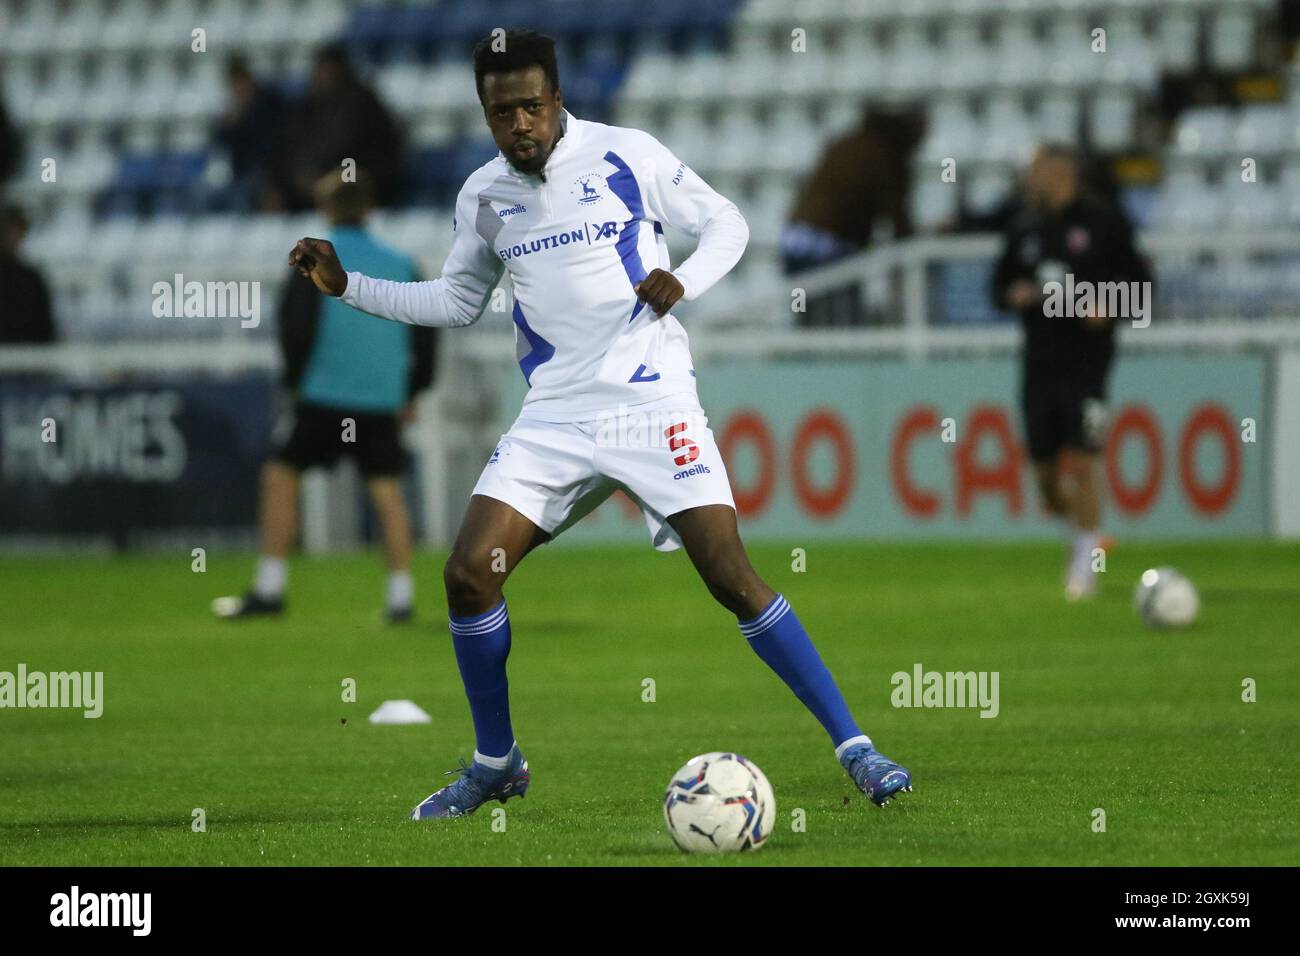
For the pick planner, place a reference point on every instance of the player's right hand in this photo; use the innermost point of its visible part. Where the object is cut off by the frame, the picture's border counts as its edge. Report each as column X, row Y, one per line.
column 316, row 259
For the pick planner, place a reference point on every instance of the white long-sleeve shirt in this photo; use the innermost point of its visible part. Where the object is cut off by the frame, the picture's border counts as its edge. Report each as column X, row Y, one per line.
column 576, row 239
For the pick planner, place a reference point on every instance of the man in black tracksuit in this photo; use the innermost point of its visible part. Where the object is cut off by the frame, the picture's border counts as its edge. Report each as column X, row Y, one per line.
column 1062, row 240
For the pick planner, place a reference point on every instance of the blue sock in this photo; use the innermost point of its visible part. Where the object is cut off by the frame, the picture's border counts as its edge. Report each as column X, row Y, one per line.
column 780, row 640
column 482, row 644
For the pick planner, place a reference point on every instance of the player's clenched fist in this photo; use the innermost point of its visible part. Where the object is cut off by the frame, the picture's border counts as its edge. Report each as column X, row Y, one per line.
column 660, row 289
column 316, row 259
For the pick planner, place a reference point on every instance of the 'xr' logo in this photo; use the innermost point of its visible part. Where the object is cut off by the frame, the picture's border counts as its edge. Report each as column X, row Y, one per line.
column 604, row 229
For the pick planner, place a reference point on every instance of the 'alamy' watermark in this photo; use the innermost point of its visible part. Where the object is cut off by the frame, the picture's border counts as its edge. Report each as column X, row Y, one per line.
column 629, row 426
column 208, row 300
column 923, row 688
column 1100, row 300
column 83, row 690
column 75, row 908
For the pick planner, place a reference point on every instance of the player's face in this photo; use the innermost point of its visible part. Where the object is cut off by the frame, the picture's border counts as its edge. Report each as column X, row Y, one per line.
column 523, row 113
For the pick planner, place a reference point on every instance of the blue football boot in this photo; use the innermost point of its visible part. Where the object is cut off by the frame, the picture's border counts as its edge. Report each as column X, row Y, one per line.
column 477, row 785
column 875, row 774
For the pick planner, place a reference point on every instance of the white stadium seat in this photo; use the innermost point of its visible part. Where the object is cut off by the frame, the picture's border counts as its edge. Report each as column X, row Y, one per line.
column 1204, row 131
column 1232, row 37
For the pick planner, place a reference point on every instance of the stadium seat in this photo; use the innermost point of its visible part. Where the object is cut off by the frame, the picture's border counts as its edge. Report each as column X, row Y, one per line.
column 1007, row 134
column 1057, row 118
column 78, row 28
column 1204, row 131
column 1112, row 119
column 1177, row 32
column 1186, row 202
column 1232, row 37
column 1264, row 129
column 952, row 133
column 933, row 202
column 988, row 188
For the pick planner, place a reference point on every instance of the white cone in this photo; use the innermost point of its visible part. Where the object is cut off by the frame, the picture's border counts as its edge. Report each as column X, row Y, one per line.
column 400, row 712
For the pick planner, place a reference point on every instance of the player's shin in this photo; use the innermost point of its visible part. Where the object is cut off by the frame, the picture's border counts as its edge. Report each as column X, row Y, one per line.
column 780, row 640
column 482, row 644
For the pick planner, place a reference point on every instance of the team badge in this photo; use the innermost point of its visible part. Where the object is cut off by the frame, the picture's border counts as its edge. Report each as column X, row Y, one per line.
column 589, row 189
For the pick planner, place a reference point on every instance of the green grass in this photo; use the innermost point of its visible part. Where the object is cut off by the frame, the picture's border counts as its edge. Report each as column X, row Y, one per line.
column 246, row 720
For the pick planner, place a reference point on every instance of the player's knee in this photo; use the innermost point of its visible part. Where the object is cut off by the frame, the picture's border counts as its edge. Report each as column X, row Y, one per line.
column 739, row 590
column 467, row 584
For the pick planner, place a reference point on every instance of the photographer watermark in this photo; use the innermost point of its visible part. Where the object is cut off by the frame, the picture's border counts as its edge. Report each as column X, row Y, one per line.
column 1083, row 299
column 922, row 688
column 83, row 690
column 631, row 427
column 208, row 300
column 75, row 908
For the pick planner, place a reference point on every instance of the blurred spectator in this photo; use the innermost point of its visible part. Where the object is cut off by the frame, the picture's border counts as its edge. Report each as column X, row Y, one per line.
column 339, row 118
column 10, row 144
column 26, row 316
column 249, row 131
column 858, row 191
column 342, row 366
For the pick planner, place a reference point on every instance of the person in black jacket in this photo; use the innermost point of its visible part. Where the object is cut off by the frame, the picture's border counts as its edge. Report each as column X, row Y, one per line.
column 339, row 118
column 248, row 134
column 1071, row 270
column 26, row 316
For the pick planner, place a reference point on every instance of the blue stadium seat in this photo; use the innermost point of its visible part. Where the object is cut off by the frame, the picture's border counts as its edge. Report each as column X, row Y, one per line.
column 371, row 24
column 138, row 171
column 469, row 155
column 589, row 90
column 427, row 179
column 181, row 170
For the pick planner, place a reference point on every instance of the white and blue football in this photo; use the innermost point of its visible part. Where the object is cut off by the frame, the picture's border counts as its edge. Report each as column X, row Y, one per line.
column 719, row 803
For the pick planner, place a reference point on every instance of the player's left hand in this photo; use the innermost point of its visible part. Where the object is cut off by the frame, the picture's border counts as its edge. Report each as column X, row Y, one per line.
column 660, row 289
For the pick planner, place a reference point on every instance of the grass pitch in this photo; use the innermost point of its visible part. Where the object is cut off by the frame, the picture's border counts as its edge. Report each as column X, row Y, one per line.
column 246, row 720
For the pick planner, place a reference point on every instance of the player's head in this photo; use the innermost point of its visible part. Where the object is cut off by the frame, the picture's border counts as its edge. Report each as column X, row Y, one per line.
column 1053, row 180
column 519, row 86
column 344, row 203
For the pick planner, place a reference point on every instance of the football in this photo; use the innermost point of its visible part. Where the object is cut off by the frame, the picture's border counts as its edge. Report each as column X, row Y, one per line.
column 719, row 803
column 1166, row 599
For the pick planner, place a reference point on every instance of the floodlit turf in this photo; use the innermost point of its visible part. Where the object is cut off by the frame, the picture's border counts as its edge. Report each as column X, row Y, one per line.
column 246, row 721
